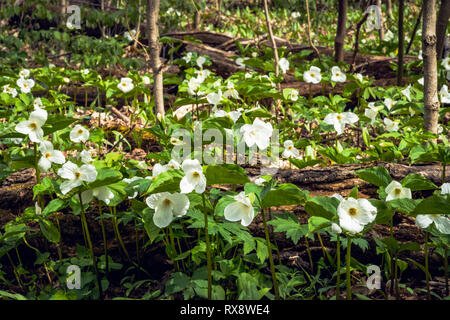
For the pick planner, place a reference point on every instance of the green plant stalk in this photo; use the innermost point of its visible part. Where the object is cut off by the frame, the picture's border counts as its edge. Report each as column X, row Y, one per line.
column 321, row 245
column 58, row 245
column 38, row 175
column 88, row 237
column 16, row 274
column 172, row 244
column 427, row 278
column 274, row 239
column 308, row 250
column 446, row 270
column 119, row 237
column 347, row 269
column 208, row 248
column 105, row 243
column 338, row 258
column 269, row 252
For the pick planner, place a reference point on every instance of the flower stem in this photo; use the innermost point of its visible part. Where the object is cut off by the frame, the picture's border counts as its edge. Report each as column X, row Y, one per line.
column 427, row 279
column 308, row 250
column 338, row 258
column 349, row 282
column 88, row 237
column 269, row 251
column 105, row 243
column 208, row 248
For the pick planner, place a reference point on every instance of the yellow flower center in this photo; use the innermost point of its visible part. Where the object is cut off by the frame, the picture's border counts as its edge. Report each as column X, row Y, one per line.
column 33, row 125
column 167, row 202
column 398, row 191
column 353, row 211
column 196, row 174
column 313, row 75
column 80, row 131
column 48, row 155
column 25, row 85
column 339, row 117
column 77, row 175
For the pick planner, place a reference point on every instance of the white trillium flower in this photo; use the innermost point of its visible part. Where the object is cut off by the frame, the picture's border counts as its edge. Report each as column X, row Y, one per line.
column 49, row 156
column 289, row 150
column 258, row 133
column 293, row 95
column 146, row 80
column 337, row 75
column 396, row 191
column 260, row 182
column 200, row 61
column 359, row 76
column 157, row 170
column 79, row 134
column 391, row 126
column 420, row 55
column 202, row 75
column 445, row 188
column 85, row 72
column 187, row 57
column 421, row 81
column 9, row 90
column 38, row 103
column 371, row 112
column 339, row 120
column 389, row 103
column 214, row 98
column 194, row 178
column 335, row 228
column 446, row 63
column 76, row 175
column 241, row 210
column 173, row 165
column 130, row 35
column 312, row 76
column 388, row 36
column 233, row 115
column 33, row 126
column 25, row 73
column 240, row 62
column 101, row 193
column 444, row 94
column 284, row 65
column 125, row 85
column 25, row 85
column 194, row 86
column 295, row 15
column 66, row 80
column 231, row 92
column 37, row 209
column 354, row 214
column 85, row 157
column 167, row 206
column 407, row 92
column 441, row 222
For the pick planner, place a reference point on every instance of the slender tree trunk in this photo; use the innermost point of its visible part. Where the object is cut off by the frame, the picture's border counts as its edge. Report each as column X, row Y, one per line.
column 401, row 41
column 155, row 48
column 381, row 31
column 389, row 8
column 416, row 26
column 272, row 40
column 441, row 27
column 340, row 33
column 430, row 98
column 196, row 20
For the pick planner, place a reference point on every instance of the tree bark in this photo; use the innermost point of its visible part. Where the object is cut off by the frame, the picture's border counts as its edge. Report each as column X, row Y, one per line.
column 441, row 27
column 155, row 48
column 401, row 41
column 430, row 98
column 340, row 33
column 381, row 31
column 389, row 8
column 274, row 44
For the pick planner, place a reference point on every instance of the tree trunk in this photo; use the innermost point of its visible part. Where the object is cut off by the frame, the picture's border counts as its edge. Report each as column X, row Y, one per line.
column 430, row 98
column 196, row 20
column 381, row 31
column 155, row 48
column 340, row 33
column 401, row 41
column 272, row 40
column 389, row 8
column 441, row 27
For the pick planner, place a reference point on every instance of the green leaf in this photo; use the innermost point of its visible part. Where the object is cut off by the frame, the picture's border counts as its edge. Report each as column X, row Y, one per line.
column 261, row 250
column 106, row 176
column 378, row 176
column 226, row 174
column 178, row 282
column 316, row 223
column 168, row 181
column 49, row 231
column 283, row 195
column 405, row 206
column 54, row 205
column 417, row 182
column 321, row 206
column 433, row 205
column 289, row 223
column 149, row 226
